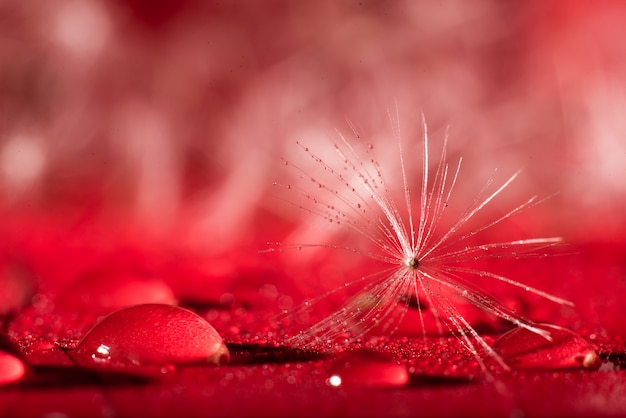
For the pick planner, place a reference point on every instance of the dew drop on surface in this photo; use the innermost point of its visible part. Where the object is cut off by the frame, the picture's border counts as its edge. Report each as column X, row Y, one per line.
column 415, row 323
column 366, row 369
column 11, row 369
column 150, row 335
column 524, row 349
column 111, row 291
column 47, row 353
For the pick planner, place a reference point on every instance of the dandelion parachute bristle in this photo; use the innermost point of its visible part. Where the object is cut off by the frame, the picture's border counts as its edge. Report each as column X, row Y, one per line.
column 421, row 259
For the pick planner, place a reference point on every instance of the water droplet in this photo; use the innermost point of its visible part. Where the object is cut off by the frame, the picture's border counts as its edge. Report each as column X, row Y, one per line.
column 524, row 349
column 110, row 291
column 411, row 323
column 11, row 369
column 46, row 353
column 150, row 337
column 366, row 369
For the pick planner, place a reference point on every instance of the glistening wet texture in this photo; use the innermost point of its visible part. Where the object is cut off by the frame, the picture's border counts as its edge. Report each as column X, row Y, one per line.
column 367, row 369
column 281, row 382
column 149, row 336
column 277, row 380
column 560, row 349
column 139, row 140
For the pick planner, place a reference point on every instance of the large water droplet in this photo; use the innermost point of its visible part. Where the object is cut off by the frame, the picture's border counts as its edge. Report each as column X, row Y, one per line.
column 150, row 336
column 11, row 369
column 112, row 290
column 420, row 319
column 366, row 369
column 524, row 349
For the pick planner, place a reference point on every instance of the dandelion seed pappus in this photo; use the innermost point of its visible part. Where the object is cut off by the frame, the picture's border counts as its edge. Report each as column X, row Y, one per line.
column 427, row 253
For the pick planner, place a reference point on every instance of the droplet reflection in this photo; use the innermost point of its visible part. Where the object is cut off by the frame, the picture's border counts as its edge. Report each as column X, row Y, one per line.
column 524, row 349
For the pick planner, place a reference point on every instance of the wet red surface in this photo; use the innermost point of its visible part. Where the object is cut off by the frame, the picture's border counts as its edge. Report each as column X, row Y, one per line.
column 268, row 377
column 139, row 141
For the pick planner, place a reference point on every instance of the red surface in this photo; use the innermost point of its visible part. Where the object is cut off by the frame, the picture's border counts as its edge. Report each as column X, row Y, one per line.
column 276, row 380
column 139, row 141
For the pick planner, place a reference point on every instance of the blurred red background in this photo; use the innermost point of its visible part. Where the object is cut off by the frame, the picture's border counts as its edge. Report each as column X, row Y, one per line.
column 161, row 126
column 145, row 136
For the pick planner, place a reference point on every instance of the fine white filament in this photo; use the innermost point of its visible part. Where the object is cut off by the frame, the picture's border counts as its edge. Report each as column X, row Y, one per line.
column 423, row 262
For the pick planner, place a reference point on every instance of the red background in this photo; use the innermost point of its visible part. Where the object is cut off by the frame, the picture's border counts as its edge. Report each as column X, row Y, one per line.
column 143, row 138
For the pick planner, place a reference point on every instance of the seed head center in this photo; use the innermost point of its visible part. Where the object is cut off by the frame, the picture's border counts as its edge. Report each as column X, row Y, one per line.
column 412, row 263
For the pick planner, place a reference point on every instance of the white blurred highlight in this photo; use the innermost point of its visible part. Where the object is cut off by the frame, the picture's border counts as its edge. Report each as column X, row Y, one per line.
column 23, row 160
column 603, row 145
column 82, row 27
column 145, row 140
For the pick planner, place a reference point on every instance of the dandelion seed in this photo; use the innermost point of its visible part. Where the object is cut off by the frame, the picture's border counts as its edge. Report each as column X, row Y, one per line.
column 426, row 256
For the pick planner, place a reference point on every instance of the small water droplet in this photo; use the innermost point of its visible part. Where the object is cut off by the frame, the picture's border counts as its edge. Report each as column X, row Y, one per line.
column 366, row 369
column 418, row 319
column 47, row 353
column 524, row 349
column 152, row 337
column 11, row 369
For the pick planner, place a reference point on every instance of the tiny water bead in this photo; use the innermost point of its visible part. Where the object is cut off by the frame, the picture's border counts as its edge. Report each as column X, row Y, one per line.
column 150, row 335
column 524, row 349
column 366, row 369
column 11, row 369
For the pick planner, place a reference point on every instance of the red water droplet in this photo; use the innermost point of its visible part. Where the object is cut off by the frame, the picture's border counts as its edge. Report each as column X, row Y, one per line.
column 150, row 336
column 46, row 353
column 111, row 291
column 366, row 369
column 524, row 349
column 414, row 325
column 11, row 369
